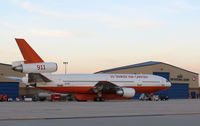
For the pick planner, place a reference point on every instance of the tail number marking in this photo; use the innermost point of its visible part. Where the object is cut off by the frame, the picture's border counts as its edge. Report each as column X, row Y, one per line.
column 41, row 67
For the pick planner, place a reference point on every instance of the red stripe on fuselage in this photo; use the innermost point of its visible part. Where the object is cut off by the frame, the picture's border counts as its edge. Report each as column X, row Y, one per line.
column 86, row 89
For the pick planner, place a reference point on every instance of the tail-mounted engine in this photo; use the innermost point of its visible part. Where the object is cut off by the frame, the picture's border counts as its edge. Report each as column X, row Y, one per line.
column 46, row 67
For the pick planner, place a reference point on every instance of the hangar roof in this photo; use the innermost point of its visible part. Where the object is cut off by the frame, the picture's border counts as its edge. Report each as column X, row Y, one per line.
column 140, row 65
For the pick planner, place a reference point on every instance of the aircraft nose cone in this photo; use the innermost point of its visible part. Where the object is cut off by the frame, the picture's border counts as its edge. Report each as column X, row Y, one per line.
column 168, row 84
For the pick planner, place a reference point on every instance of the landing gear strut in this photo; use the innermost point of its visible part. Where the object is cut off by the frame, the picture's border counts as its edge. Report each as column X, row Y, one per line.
column 99, row 98
column 146, row 96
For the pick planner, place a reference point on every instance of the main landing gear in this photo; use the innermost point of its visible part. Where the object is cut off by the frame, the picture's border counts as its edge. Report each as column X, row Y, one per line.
column 99, row 98
column 98, row 90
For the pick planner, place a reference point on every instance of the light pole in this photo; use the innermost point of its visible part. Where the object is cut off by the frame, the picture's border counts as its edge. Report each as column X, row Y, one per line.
column 65, row 63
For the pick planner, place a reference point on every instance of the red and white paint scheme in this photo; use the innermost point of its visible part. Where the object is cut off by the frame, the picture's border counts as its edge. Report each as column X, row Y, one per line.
column 96, row 87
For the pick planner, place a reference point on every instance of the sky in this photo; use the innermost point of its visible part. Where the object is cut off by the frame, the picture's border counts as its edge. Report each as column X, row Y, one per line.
column 94, row 35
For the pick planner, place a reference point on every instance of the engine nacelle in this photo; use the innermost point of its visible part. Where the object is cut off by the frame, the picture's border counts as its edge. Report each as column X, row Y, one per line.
column 126, row 92
column 47, row 67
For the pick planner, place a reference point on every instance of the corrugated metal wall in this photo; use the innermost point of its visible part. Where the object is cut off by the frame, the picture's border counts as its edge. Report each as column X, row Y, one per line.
column 11, row 89
column 176, row 91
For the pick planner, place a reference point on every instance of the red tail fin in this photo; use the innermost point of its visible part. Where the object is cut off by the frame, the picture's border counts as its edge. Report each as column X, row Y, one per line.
column 30, row 56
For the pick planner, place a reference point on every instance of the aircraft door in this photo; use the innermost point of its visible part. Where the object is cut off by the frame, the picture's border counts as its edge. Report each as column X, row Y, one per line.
column 139, row 82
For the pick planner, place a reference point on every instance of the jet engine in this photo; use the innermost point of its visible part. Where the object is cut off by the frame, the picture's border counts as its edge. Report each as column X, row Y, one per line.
column 46, row 67
column 126, row 92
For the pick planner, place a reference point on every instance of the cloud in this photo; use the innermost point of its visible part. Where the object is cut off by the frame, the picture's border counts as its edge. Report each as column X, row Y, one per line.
column 61, row 33
column 7, row 25
column 139, row 24
column 50, row 33
column 177, row 7
column 109, row 20
column 184, row 5
column 47, row 33
column 26, row 5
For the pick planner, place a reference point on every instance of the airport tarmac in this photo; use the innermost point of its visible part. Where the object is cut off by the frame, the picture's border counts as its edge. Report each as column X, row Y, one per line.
column 133, row 112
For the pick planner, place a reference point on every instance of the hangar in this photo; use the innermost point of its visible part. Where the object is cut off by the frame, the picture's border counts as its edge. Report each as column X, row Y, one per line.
column 8, row 87
column 185, row 84
column 11, row 88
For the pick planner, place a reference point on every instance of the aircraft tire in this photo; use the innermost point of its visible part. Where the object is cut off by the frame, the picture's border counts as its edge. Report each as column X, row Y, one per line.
column 81, row 100
column 102, row 99
column 99, row 99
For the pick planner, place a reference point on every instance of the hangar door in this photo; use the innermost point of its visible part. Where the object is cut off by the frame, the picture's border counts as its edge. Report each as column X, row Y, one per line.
column 176, row 91
column 11, row 89
column 162, row 74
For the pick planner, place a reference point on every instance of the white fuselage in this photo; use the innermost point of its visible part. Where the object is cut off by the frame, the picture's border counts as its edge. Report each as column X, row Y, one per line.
column 90, row 80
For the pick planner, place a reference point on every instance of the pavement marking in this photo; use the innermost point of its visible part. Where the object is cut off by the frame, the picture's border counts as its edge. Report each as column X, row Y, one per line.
column 101, row 117
column 8, row 119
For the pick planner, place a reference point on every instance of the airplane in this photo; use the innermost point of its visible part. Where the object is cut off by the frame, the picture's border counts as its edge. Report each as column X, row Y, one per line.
column 84, row 87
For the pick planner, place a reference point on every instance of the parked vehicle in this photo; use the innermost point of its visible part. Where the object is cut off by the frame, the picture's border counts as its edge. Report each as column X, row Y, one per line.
column 3, row 97
column 155, row 98
column 163, row 97
column 17, row 99
column 10, row 99
column 28, row 99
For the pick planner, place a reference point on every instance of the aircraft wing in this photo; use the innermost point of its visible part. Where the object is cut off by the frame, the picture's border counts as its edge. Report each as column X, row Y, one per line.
column 105, row 87
column 37, row 77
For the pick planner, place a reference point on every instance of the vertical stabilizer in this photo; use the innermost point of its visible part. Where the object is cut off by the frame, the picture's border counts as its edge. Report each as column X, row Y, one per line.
column 30, row 56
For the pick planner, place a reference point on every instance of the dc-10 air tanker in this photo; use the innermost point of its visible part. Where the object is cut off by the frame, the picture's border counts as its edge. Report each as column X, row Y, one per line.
column 83, row 87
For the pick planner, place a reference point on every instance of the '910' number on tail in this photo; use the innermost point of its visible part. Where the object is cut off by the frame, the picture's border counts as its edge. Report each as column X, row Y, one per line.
column 41, row 67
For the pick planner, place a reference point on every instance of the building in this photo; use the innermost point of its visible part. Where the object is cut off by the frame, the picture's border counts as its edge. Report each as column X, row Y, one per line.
column 8, row 87
column 12, row 88
column 185, row 84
